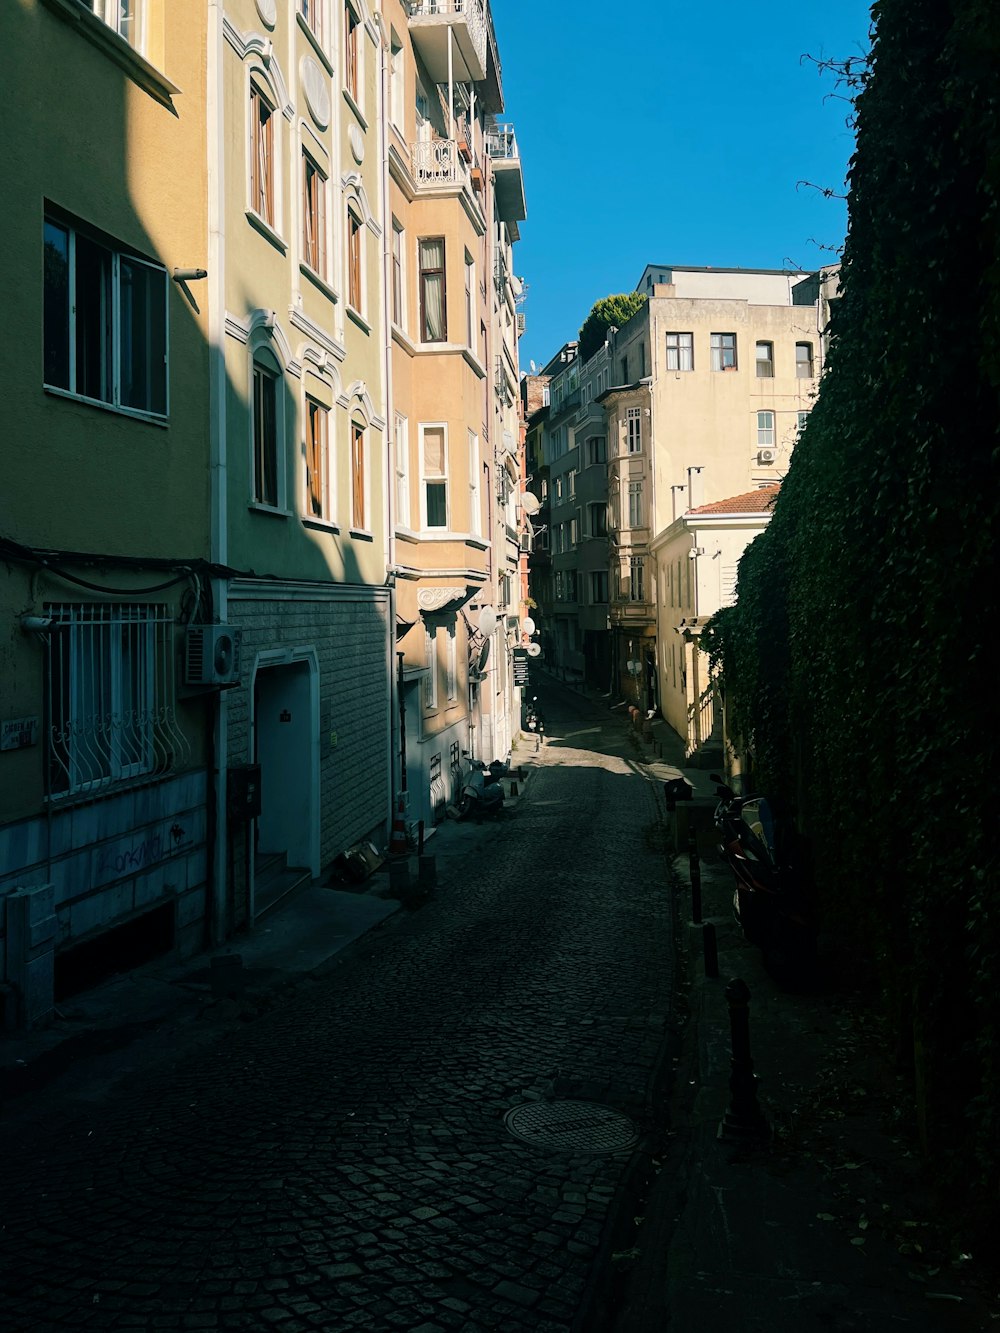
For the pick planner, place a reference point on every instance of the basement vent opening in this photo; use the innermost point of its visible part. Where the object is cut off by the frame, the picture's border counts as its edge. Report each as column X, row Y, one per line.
column 120, row 949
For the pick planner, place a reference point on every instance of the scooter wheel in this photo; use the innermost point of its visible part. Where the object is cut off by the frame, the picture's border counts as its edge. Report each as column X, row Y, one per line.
column 464, row 806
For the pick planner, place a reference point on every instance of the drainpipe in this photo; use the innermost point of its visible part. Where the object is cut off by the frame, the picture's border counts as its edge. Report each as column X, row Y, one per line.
column 219, row 519
column 389, row 506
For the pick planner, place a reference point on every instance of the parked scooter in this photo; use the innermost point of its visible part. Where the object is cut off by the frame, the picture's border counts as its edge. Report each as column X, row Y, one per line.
column 769, row 901
column 482, row 791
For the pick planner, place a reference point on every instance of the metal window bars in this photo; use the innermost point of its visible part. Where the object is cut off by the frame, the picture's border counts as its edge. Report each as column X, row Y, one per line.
column 110, row 697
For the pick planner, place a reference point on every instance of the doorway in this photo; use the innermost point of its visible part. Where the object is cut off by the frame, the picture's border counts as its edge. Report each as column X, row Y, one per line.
column 286, row 832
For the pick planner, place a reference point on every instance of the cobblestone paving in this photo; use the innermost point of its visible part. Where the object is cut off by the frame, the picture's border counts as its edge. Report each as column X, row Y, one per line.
column 342, row 1162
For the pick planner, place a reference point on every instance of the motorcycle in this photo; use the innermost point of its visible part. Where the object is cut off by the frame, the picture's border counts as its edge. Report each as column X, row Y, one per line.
column 482, row 791
column 769, row 901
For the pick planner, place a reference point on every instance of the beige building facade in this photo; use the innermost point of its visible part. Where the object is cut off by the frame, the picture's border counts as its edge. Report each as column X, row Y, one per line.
column 104, row 506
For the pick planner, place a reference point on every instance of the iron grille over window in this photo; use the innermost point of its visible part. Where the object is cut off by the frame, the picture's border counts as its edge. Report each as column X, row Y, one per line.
column 110, row 697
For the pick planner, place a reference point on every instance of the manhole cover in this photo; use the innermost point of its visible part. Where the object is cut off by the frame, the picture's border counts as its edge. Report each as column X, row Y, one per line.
column 572, row 1126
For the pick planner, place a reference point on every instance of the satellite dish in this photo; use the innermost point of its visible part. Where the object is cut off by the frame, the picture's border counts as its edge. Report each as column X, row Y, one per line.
column 534, row 650
column 484, row 657
column 528, row 625
column 533, row 367
column 530, row 503
column 487, row 621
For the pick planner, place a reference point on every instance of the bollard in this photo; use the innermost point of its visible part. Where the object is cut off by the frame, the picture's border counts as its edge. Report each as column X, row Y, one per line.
column 695, row 872
column 399, row 879
column 427, row 873
column 710, row 949
column 744, row 1119
column 420, row 838
column 513, row 789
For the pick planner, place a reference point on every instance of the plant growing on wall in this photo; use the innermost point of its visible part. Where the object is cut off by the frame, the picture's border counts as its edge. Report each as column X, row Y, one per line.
column 610, row 312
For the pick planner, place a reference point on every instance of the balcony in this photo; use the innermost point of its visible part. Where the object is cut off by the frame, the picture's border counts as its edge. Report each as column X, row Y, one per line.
column 461, row 24
column 437, row 164
column 501, row 144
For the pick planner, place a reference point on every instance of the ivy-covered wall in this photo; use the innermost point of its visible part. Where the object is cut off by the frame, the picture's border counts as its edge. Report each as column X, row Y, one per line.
column 859, row 661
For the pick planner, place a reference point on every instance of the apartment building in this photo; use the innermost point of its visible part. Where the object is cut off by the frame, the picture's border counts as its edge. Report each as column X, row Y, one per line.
column 105, row 502
column 455, row 196
column 712, row 381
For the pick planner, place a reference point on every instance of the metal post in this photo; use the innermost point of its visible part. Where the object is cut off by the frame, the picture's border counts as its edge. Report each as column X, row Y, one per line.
column 744, row 1119
column 710, row 949
column 420, row 838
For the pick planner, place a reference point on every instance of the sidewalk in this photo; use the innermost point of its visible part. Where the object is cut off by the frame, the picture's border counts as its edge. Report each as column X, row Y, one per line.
column 829, row 1223
column 159, row 1010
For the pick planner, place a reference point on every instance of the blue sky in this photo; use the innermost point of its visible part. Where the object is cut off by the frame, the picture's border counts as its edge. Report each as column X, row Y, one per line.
column 670, row 133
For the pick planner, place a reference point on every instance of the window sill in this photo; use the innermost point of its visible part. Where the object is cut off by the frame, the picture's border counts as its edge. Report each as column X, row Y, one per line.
column 321, row 524
column 117, row 49
column 266, row 230
column 318, row 281
column 148, row 417
column 315, row 42
column 361, row 534
column 358, row 318
column 349, row 99
column 399, row 336
column 474, row 362
column 272, row 511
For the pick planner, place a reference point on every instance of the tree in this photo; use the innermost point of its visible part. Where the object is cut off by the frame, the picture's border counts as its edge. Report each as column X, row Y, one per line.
column 607, row 313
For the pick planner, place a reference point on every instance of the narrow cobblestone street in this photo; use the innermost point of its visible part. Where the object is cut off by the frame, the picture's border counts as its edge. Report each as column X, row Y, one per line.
column 342, row 1161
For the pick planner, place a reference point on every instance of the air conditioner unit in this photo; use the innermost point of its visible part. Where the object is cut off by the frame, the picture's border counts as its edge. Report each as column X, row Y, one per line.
column 212, row 655
column 765, row 456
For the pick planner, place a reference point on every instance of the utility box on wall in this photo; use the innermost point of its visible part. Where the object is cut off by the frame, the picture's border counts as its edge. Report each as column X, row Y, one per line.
column 243, row 792
column 31, row 942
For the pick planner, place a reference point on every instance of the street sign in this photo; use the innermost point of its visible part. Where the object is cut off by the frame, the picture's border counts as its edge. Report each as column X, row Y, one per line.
column 520, row 656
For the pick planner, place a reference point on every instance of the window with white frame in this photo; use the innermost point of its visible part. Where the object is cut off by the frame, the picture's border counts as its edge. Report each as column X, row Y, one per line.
column 105, row 320
column 598, row 515
column 723, row 351
column 109, row 696
column 355, row 261
column 598, row 587
column 571, row 481
column 800, row 421
column 313, row 215
column 475, row 503
column 266, row 486
column 352, row 54
column 262, row 155
column 635, row 504
column 359, row 476
column 125, row 17
column 633, row 429
column 470, row 301
column 398, row 275
column 314, row 17
column 434, row 475
column 765, row 430
column 680, row 351
column 318, row 501
column 804, row 360
column 597, row 450
column 452, row 663
column 765, row 360
column 431, row 658
column 558, row 485
column 433, row 308
column 636, row 578
column 402, row 449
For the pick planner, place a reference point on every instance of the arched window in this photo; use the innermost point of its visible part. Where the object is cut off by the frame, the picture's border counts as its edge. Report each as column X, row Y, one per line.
column 267, row 443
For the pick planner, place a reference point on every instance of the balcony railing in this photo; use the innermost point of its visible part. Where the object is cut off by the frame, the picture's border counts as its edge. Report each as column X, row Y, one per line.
column 429, row 24
column 437, row 162
column 501, row 144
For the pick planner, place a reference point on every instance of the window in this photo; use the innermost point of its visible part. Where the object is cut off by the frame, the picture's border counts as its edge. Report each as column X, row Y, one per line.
column 680, row 351
column 633, row 426
column 398, row 308
column 452, row 664
column 431, row 679
column 635, row 504
column 351, row 80
column 475, row 507
column 470, row 308
column 800, row 421
column 402, row 442
column 312, row 12
column 109, row 696
column 313, row 216
column 435, row 476
column 317, row 461
column 804, row 361
column 265, row 435
column 433, row 314
column 261, row 156
column 597, row 450
column 598, row 518
column 636, row 569
column 397, row 76
column 723, row 351
column 765, row 430
column 598, row 586
column 359, row 513
column 354, row 284
column 105, row 321
column 124, row 16
column 765, row 361
column 558, row 483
